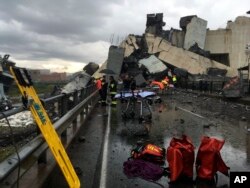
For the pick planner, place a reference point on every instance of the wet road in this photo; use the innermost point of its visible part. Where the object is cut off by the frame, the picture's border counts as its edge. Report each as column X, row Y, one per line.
column 109, row 141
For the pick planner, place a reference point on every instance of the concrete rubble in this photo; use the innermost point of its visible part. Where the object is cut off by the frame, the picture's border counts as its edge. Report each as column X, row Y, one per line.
column 177, row 57
column 151, row 55
column 139, row 55
column 78, row 82
column 6, row 80
column 81, row 79
column 153, row 64
column 115, row 59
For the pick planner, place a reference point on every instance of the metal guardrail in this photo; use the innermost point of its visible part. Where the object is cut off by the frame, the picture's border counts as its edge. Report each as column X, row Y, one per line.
column 73, row 109
column 206, row 86
column 210, row 86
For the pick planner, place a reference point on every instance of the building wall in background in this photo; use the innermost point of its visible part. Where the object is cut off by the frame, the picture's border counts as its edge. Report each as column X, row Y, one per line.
column 44, row 75
column 232, row 40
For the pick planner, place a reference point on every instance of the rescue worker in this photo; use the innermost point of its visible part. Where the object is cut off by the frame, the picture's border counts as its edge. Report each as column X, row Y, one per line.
column 165, row 81
column 159, row 84
column 126, row 83
column 132, row 85
column 119, row 84
column 103, row 91
column 112, row 90
column 98, row 84
column 174, row 80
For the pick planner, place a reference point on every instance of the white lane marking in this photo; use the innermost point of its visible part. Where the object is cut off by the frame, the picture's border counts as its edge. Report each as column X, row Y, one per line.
column 105, row 153
column 191, row 112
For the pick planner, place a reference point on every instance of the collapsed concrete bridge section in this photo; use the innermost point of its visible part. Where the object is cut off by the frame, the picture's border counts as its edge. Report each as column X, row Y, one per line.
column 217, row 54
column 177, row 57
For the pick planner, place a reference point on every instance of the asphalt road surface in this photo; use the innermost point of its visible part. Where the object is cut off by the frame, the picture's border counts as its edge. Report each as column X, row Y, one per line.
column 106, row 139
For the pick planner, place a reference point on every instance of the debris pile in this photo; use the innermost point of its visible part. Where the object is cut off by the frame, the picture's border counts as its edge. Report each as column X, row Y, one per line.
column 81, row 79
column 156, row 52
column 6, row 80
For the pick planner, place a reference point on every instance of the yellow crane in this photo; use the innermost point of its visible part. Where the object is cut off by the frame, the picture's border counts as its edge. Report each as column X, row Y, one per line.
column 32, row 101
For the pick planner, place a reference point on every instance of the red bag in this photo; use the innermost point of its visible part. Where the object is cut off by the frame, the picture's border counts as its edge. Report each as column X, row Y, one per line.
column 180, row 156
column 209, row 160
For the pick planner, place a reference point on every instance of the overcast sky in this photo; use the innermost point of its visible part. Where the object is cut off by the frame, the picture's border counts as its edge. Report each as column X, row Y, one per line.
column 64, row 35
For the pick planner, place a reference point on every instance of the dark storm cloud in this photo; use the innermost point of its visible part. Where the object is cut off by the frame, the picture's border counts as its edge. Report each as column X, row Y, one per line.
column 44, row 29
column 75, row 30
column 58, row 17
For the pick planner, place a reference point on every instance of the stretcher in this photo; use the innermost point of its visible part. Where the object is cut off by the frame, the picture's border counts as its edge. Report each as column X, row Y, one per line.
column 136, row 93
column 150, row 96
column 137, row 104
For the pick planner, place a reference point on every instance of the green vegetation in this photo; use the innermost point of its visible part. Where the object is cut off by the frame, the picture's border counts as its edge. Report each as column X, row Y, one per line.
column 41, row 88
column 5, row 152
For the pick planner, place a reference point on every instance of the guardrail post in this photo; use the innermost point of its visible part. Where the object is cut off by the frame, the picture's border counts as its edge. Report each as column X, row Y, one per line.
column 222, row 85
column 63, row 105
column 75, row 98
column 42, row 159
column 82, row 94
column 74, row 124
column 85, row 93
column 211, row 87
column 87, row 108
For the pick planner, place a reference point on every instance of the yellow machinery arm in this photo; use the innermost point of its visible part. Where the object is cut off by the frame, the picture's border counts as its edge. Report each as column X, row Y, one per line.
column 42, row 119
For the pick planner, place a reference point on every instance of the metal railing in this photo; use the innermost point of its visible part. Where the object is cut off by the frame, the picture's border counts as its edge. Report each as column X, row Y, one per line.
column 36, row 161
column 204, row 86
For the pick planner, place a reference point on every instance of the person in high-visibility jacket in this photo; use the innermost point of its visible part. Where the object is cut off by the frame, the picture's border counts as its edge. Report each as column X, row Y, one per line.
column 112, row 90
column 98, row 84
column 159, row 84
column 165, row 81
column 174, row 80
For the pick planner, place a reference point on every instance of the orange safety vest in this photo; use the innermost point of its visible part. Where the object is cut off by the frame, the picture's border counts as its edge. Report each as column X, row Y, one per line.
column 149, row 152
column 165, row 80
column 99, row 84
column 157, row 83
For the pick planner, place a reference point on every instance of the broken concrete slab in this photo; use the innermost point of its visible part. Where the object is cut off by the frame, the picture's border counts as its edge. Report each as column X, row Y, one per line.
column 179, row 57
column 115, row 59
column 97, row 74
column 184, row 21
column 91, row 68
column 156, row 44
column 150, row 42
column 130, row 45
column 154, row 23
column 195, row 33
column 164, row 45
column 133, row 40
column 193, row 63
column 153, row 64
column 80, row 81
